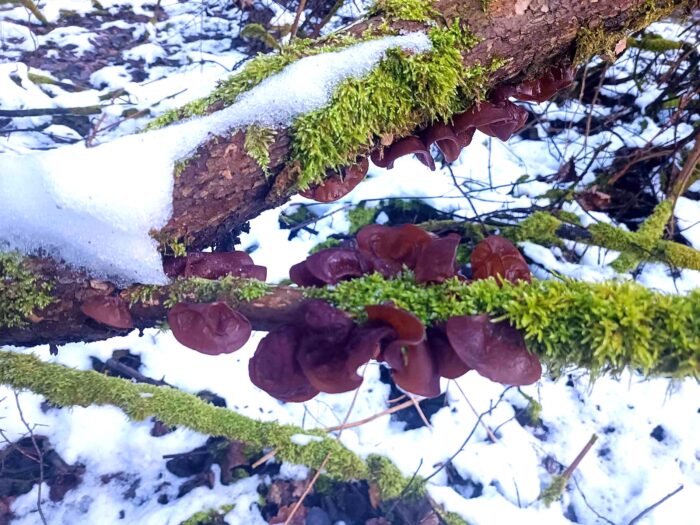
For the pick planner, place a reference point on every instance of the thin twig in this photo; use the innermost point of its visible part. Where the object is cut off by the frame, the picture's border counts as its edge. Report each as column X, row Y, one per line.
column 295, row 24
column 361, row 422
column 420, row 412
column 488, row 430
column 40, row 458
column 264, row 459
column 307, row 490
column 652, row 507
column 469, row 436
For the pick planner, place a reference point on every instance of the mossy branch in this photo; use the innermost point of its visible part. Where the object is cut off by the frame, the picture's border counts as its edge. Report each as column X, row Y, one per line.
column 643, row 245
column 599, row 327
column 68, row 387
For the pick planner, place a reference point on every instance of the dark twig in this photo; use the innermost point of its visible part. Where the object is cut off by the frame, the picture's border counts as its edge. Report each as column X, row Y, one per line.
column 652, row 507
column 40, row 458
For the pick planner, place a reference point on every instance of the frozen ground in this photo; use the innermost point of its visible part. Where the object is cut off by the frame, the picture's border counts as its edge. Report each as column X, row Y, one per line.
column 648, row 430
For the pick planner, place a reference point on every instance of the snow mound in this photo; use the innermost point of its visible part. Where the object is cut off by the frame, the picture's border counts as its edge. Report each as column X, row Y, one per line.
column 94, row 207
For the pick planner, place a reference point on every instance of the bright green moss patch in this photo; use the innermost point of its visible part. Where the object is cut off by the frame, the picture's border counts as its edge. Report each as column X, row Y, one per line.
column 66, row 387
column 230, row 289
column 598, row 41
column 539, row 227
column 257, row 144
column 554, row 491
column 646, row 237
column 599, row 327
column 389, row 479
column 412, row 10
column 403, row 91
column 209, row 517
column 655, row 43
column 21, row 293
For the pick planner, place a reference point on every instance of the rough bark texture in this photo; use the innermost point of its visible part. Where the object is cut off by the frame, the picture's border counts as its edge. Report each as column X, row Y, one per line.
column 223, row 187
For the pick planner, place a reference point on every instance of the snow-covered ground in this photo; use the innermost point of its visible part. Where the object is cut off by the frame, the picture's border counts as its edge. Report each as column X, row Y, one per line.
column 648, row 430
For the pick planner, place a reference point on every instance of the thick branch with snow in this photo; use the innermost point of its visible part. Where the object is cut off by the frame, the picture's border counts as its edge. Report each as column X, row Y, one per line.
column 111, row 209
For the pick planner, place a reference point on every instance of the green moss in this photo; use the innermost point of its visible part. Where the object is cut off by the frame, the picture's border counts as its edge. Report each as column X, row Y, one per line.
column 230, row 289
column 534, row 409
column 403, row 91
column 452, row 518
column 328, row 243
column 389, row 480
column 645, row 245
column 599, row 41
column 254, row 72
column 209, row 517
column 485, row 4
column 646, row 237
column 413, row 10
column 655, row 43
column 540, row 228
column 66, row 387
column 257, row 144
column 554, row 491
column 258, row 32
column 21, row 292
column 599, row 327
column 360, row 216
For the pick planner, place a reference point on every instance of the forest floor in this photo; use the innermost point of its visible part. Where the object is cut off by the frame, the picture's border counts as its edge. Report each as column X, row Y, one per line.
column 129, row 62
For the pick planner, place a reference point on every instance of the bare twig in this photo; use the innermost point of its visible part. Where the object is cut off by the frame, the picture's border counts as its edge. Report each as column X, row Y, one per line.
column 488, row 430
column 361, row 422
column 40, row 458
column 420, row 412
column 295, row 24
column 652, row 507
column 308, row 488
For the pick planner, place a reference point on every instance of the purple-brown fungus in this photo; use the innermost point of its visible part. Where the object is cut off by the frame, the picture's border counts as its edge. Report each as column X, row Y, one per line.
column 214, row 266
column 209, row 328
column 495, row 350
column 109, row 310
column 338, row 185
column 498, row 257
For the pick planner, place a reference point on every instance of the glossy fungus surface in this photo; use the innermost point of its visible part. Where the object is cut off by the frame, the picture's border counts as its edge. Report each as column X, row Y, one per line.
column 210, row 328
column 338, row 185
column 389, row 248
column 437, row 260
column 111, row 311
column 498, row 257
column 410, row 145
column 499, row 119
column 274, row 367
column 495, row 350
column 214, row 266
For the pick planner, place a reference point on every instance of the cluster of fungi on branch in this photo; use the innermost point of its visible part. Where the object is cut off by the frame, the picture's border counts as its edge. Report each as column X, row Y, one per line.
column 497, row 117
column 323, row 350
column 324, row 347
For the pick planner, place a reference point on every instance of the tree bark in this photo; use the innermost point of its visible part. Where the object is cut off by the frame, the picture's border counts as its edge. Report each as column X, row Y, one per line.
column 223, row 187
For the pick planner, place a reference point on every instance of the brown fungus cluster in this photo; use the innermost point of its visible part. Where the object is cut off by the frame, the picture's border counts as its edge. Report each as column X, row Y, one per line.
column 386, row 250
column 323, row 348
column 211, row 328
column 498, row 117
